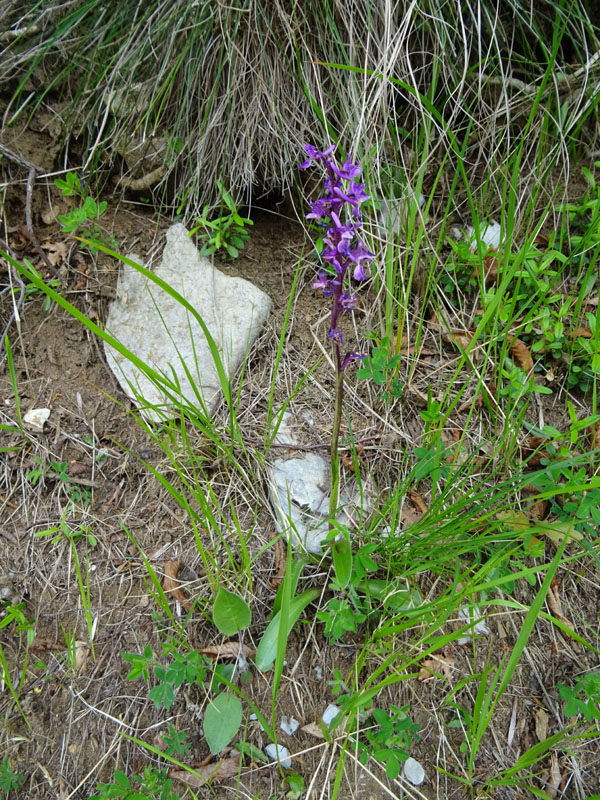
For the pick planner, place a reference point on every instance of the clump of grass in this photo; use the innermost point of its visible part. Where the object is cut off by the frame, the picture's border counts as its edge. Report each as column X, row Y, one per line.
column 230, row 93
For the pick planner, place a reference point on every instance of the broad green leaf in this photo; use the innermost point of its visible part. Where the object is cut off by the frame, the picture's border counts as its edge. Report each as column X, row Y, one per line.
column 231, row 614
column 342, row 561
column 222, row 721
column 267, row 649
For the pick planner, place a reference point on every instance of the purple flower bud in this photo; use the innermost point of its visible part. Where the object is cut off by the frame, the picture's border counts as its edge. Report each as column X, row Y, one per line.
column 352, row 357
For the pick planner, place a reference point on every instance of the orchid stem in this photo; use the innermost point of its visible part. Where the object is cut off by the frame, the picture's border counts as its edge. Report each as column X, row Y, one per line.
column 335, row 437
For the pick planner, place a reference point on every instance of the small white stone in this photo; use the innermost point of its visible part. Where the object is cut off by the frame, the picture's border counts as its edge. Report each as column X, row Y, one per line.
column 488, row 234
column 413, row 772
column 318, row 671
column 36, row 417
column 473, row 614
column 330, row 713
column 289, row 725
column 279, row 752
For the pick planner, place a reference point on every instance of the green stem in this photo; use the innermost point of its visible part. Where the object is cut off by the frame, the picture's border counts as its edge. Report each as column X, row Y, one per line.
column 335, row 436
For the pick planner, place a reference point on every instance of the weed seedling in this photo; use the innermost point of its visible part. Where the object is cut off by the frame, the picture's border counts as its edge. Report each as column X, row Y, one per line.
column 9, row 779
column 83, row 220
column 227, row 233
column 583, row 698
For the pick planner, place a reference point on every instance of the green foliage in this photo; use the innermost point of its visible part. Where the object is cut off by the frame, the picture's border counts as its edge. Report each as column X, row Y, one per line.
column 341, row 616
column 11, row 614
column 227, row 233
column 267, row 648
column 9, row 779
column 83, row 220
column 390, row 740
column 154, row 784
column 583, row 698
column 296, row 784
column 191, row 667
column 32, row 291
column 231, row 613
column 63, row 530
column 222, row 720
column 381, row 368
column 78, row 495
column 175, row 742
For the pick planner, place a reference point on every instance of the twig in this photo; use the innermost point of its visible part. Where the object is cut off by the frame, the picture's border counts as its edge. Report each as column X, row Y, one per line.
column 33, row 171
column 30, row 181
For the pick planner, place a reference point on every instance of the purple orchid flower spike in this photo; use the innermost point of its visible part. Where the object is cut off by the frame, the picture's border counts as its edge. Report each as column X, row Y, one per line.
column 338, row 213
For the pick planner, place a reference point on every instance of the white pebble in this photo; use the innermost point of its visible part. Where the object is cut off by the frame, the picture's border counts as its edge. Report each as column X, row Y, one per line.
column 289, row 725
column 279, row 752
column 413, row 772
column 330, row 713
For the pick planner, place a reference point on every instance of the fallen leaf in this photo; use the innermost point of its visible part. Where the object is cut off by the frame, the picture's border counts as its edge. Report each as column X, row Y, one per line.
column 556, row 531
column 225, row 650
column 490, row 270
column 520, row 353
column 530, row 451
column 171, row 584
column 313, row 729
column 555, row 776
column 55, row 251
column 541, row 724
column 211, row 773
column 435, row 666
column 418, row 501
column 538, row 510
column 555, row 606
column 585, row 333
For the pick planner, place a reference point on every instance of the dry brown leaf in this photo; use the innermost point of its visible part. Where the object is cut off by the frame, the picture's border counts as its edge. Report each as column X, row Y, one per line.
column 461, row 341
column 225, row 650
column 555, row 776
column 538, row 510
column 171, row 584
column 585, row 333
column 530, row 452
column 435, row 666
column 489, row 389
column 520, row 353
column 211, row 773
column 555, row 606
column 55, row 251
column 490, row 270
column 313, row 729
column 541, row 724
column 418, row 501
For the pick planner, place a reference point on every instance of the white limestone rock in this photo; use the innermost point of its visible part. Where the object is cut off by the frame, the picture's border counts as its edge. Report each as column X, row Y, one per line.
column 163, row 334
column 413, row 771
column 299, row 491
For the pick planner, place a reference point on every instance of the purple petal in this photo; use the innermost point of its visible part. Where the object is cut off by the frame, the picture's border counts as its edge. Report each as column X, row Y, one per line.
column 352, row 357
column 359, row 273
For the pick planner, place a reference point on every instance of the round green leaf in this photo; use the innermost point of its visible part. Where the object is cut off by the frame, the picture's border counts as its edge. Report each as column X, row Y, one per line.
column 230, row 613
column 222, row 721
